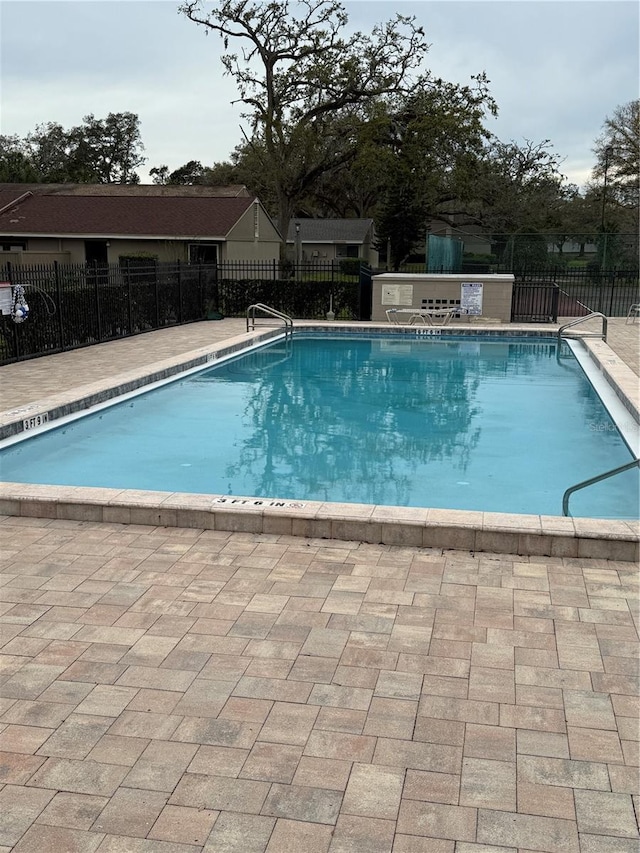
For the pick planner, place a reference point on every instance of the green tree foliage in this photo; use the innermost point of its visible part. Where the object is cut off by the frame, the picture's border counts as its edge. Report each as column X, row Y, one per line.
column 223, row 174
column 519, row 190
column 193, row 172
column 615, row 185
column 528, row 251
column 102, row 151
column 413, row 155
column 246, row 167
column 304, row 81
column 401, row 221
column 15, row 165
column 439, row 133
column 110, row 147
column 581, row 218
column 51, row 151
column 435, row 138
column 159, row 174
column 617, row 150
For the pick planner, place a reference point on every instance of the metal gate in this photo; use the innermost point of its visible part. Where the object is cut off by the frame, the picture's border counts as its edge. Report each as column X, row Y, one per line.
column 534, row 302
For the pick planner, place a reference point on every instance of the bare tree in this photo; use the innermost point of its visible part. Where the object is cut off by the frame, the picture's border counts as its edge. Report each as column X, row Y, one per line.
column 305, row 81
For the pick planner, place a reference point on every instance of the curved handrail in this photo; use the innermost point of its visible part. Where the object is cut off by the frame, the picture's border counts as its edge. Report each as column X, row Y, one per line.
column 273, row 312
column 596, row 479
column 578, row 320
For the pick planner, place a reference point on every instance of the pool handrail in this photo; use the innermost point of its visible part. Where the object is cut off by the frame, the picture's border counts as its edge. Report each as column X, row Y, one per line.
column 602, row 334
column 273, row 312
column 598, row 478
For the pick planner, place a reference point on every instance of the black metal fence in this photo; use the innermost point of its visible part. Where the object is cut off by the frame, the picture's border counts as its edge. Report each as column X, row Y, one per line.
column 304, row 291
column 78, row 305
column 538, row 297
column 534, row 302
column 72, row 306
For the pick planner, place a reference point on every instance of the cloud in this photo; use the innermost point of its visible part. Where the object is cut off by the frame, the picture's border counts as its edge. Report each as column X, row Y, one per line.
column 557, row 69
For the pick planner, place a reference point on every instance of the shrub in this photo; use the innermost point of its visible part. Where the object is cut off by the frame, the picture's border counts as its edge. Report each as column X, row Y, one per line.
column 558, row 262
column 351, row 266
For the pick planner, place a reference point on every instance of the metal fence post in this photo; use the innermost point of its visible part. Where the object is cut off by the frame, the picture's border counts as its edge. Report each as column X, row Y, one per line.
column 156, row 283
column 599, row 292
column 96, row 292
column 16, row 339
column 129, row 303
column 179, row 292
column 613, row 287
column 56, row 274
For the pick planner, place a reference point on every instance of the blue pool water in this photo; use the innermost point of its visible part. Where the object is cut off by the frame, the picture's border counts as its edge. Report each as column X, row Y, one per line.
column 484, row 424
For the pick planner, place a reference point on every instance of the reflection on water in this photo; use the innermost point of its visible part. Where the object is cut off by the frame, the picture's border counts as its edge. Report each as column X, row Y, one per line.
column 386, row 421
column 464, row 424
column 353, row 413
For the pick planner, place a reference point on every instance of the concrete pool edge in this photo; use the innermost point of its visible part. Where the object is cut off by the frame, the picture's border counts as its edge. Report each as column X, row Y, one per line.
column 550, row 536
column 528, row 535
column 620, row 377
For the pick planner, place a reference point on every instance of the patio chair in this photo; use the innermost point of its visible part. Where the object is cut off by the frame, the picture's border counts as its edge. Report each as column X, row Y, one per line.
column 633, row 312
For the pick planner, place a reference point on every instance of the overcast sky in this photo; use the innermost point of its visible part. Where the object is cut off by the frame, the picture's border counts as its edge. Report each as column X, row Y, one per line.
column 557, row 68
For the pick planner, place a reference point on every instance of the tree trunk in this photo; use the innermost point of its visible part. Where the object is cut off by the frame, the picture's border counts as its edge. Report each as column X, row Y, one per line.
column 285, row 210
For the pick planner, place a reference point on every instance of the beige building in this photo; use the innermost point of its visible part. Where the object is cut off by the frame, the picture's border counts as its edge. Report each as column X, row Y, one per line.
column 323, row 241
column 87, row 223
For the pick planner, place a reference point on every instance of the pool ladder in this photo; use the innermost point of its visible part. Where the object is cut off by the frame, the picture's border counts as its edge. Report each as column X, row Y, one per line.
column 597, row 479
column 271, row 312
column 602, row 334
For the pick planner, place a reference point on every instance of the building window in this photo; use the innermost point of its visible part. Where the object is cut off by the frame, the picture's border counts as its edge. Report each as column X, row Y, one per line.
column 347, row 250
column 11, row 244
column 203, row 253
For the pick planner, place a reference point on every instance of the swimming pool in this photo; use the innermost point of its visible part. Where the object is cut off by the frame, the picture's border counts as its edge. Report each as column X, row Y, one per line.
column 458, row 422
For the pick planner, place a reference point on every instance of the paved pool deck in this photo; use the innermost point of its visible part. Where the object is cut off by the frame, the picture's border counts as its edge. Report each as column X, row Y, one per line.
column 167, row 688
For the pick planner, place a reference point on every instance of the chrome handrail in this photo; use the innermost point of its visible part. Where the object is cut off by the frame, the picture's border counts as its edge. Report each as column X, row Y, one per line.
column 602, row 334
column 598, row 478
column 273, row 312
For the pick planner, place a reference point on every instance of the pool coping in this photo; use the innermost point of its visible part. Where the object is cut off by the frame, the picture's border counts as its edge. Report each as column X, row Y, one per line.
column 533, row 535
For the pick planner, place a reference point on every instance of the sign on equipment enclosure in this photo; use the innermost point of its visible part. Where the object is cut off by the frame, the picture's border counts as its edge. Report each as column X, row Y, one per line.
column 397, row 294
column 471, row 298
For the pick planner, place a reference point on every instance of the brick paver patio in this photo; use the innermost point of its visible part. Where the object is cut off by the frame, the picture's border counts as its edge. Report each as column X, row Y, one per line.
column 168, row 690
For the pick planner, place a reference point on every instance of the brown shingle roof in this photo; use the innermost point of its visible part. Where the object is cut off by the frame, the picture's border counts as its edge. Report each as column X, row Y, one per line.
column 200, row 190
column 112, row 216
